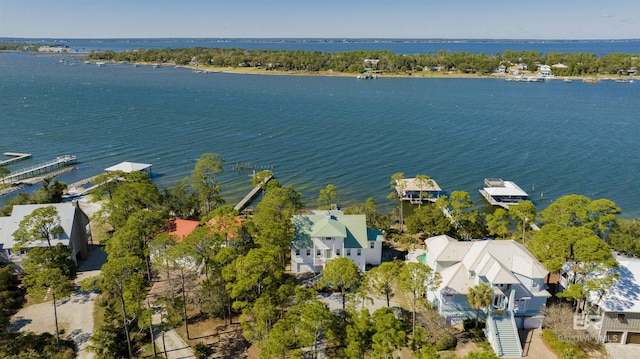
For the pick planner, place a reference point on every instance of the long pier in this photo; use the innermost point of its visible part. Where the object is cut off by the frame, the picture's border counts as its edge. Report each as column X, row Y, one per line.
column 251, row 195
column 39, row 169
column 16, row 157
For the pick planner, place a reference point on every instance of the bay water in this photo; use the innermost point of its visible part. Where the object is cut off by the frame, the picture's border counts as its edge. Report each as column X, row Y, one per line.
column 551, row 138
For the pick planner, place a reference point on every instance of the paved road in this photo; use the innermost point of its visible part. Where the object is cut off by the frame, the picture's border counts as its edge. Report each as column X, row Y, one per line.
column 176, row 347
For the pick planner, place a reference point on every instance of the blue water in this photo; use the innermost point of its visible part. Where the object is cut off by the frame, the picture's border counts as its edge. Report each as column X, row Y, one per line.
column 400, row 46
column 561, row 138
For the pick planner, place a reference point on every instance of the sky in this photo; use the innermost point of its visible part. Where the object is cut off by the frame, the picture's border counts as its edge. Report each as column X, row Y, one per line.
column 417, row 19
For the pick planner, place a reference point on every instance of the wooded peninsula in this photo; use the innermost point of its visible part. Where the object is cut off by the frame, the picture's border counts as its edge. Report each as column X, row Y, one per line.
column 384, row 62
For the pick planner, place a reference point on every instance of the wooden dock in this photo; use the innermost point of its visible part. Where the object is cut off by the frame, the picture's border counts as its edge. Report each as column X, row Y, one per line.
column 15, row 157
column 251, row 195
column 39, row 169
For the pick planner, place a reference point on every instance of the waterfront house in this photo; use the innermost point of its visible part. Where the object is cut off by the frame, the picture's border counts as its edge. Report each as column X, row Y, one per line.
column 502, row 193
column 73, row 222
column 417, row 191
column 514, row 274
column 615, row 317
column 324, row 235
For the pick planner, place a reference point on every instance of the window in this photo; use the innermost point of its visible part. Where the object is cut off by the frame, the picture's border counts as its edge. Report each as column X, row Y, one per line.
column 472, row 274
column 308, row 252
column 372, row 245
column 337, row 253
column 348, row 252
column 318, row 252
column 535, row 285
column 328, row 238
column 327, row 253
column 447, row 298
column 359, row 251
column 297, row 253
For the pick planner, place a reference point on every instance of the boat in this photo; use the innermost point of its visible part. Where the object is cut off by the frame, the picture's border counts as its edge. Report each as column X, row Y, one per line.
column 567, row 80
column 366, row 76
column 101, row 64
column 502, row 193
column 157, row 66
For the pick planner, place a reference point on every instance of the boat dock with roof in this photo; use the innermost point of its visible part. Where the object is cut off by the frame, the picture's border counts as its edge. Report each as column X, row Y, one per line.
column 502, row 193
column 418, row 191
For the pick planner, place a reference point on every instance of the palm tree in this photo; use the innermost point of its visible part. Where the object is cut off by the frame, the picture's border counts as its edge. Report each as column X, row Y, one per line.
column 478, row 297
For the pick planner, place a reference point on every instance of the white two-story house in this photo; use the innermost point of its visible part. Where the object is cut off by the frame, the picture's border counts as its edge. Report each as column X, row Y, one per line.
column 514, row 274
column 324, row 235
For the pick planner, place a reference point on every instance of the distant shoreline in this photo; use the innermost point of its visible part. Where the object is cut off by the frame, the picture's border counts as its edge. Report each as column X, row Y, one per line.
column 262, row 71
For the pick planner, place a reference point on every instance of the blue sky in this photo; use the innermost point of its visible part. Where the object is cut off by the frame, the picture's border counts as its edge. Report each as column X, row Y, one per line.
column 468, row 19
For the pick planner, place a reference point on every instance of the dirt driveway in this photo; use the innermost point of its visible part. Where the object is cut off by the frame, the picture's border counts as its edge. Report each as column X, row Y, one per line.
column 75, row 314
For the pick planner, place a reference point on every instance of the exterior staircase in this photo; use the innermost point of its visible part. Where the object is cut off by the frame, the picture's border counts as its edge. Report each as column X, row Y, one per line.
column 505, row 341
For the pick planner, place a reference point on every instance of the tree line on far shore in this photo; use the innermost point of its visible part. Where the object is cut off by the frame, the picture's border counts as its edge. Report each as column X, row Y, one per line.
column 577, row 63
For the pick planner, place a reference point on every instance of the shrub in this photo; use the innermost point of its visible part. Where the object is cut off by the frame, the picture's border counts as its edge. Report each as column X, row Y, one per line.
column 566, row 350
column 201, row 351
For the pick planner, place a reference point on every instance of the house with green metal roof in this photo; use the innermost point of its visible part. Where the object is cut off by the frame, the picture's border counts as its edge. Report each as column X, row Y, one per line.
column 324, row 235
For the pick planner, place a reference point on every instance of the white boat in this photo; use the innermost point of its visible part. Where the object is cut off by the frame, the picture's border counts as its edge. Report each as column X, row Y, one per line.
column 366, row 76
column 101, row 64
column 567, row 80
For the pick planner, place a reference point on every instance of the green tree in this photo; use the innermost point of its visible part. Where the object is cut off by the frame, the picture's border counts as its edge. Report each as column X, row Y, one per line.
column 123, row 279
column 42, row 224
column 567, row 211
column 524, row 213
column 498, row 222
column 4, row 172
column 314, row 321
column 388, row 334
column 422, row 181
column 416, row 279
column 273, row 219
column 343, row 274
column 10, row 296
column 382, row 277
column 253, row 274
column 205, row 183
column 180, row 201
column 625, row 236
column 358, row 333
column 327, row 196
column 398, row 184
column 479, row 297
column 429, row 220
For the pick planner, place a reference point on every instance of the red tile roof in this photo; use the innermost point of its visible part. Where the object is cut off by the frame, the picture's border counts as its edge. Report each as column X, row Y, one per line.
column 181, row 228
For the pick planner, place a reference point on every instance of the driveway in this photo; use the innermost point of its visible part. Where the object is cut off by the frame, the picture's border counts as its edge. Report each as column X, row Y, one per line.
column 75, row 314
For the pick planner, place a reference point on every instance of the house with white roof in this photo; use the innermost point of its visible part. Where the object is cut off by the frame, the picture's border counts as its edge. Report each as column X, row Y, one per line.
column 73, row 222
column 324, row 235
column 616, row 315
column 514, row 274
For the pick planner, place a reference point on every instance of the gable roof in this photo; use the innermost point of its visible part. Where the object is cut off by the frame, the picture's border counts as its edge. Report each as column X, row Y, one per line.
column 9, row 225
column 352, row 227
column 499, row 261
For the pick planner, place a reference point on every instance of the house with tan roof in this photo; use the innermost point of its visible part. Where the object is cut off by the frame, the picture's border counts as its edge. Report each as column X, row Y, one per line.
column 514, row 274
column 324, row 235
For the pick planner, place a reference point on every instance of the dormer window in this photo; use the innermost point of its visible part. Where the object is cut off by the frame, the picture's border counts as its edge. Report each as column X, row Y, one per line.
column 472, row 274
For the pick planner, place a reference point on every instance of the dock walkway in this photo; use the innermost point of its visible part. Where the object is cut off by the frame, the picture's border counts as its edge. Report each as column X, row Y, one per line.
column 251, row 195
column 15, row 157
column 39, row 169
